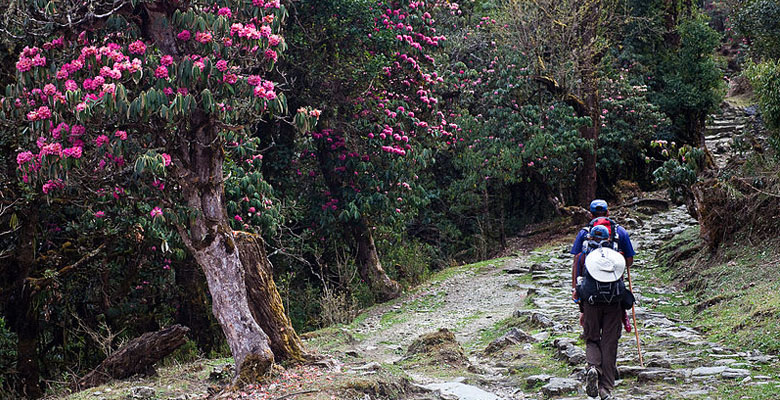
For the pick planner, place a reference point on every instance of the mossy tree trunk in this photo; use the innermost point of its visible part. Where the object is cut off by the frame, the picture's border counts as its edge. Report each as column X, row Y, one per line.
column 265, row 303
column 369, row 265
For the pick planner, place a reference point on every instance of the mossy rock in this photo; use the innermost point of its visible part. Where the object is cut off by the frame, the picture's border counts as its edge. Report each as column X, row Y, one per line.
column 440, row 346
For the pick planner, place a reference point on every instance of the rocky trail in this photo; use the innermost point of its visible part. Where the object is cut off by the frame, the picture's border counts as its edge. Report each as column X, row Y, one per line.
column 520, row 307
column 725, row 131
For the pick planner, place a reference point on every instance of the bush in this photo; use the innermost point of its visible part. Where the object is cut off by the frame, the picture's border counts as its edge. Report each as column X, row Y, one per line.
column 680, row 171
column 765, row 79
column 759, row 22
column 7, row 354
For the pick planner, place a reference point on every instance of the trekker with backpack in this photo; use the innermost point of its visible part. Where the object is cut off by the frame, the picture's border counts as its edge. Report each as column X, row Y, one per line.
column 602, row 252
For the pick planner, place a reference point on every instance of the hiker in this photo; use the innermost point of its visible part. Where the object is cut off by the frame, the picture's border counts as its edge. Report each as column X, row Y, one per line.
column 598, row 288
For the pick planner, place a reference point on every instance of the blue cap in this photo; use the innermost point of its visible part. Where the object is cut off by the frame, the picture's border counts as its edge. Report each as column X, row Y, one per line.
column 598, row 205
column 599, row 232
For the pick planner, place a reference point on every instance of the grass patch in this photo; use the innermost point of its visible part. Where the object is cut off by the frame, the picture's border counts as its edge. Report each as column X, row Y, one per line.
column 170, row 381
column 329, row 339
column 425, row 303
column 766, row 391
column 733, row 296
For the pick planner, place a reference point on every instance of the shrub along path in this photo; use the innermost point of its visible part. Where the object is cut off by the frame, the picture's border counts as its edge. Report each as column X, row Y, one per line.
column 512, row 332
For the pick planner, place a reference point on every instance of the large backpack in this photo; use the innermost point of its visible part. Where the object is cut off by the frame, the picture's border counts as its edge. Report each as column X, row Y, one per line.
column 592, row 291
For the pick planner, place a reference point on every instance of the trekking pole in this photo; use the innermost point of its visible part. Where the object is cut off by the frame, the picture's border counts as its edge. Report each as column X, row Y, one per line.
column 636, row 327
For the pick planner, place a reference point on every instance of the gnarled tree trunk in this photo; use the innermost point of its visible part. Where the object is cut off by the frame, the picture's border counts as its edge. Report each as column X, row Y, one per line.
column 198, row 168
column 265, row 303
column 369, row 265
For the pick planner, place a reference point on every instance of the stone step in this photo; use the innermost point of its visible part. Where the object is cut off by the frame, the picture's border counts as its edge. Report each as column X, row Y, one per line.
column 726, row 122
column 720, row 136
column 712, row 130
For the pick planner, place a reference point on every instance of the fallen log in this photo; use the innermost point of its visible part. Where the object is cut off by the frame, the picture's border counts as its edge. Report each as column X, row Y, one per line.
column 137, row 356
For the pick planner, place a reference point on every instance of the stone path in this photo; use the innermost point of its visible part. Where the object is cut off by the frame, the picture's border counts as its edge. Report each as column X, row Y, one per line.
column 680, row 363
column 722, row 129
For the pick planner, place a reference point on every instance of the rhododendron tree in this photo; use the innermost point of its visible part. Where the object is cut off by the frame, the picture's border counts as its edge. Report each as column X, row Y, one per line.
column 369, row 66
column 160, row 91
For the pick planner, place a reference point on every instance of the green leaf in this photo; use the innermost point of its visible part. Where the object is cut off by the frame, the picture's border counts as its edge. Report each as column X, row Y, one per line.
column 207, row 100
column 140, row 163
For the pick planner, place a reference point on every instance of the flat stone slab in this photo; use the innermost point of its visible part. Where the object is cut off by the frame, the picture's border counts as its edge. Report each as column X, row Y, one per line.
column 705, row 371
column 626, row 371
column 559, row 386
column 735, row 373
column 461, row 391
column 657, row 375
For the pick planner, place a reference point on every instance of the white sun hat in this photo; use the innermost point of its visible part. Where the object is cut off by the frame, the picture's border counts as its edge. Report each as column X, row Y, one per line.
column 605, row 264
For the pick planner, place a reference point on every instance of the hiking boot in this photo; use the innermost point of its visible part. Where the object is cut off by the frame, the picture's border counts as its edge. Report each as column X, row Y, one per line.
column 592, row 382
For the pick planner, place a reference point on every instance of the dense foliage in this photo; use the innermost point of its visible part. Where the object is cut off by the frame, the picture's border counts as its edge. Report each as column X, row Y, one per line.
column 355, row 136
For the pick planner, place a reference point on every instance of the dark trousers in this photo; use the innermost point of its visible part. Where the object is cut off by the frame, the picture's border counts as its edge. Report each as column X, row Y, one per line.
column 602, row 326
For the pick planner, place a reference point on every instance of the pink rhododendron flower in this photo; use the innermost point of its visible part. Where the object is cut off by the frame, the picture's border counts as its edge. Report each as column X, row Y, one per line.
column 168, row 91
column 122, row 135
column 72, row 152
column 225, row 11
column 274, row 40
column 49, row 89
column 137, row 47
column 52, row 149
column 254, row 80
column 71, row 85
column 161, row 72
column 166, row 60
column 101, row 140
column 78, row 130
column 184, row 35
column 252, row 209
column 238, row 218
column 230, row 78
column 203, row 37
column 24, row 64
column 24, row 157
column 51, row 185
column 166, row 159
column 39, row 61
column 100, row 214
column 271, row 55
column 156, row 212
